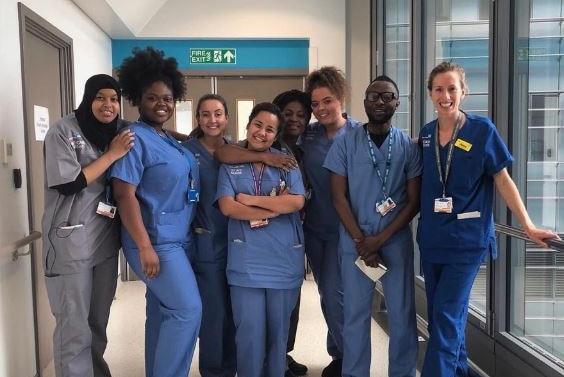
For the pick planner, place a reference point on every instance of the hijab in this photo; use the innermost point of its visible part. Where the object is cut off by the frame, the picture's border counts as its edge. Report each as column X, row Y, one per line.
column 98, row 133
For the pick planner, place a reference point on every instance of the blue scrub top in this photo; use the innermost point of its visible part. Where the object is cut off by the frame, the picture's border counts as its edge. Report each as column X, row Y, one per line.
column 350, row 157
column 320, row 217
column 271, row 256
column 162, row 174
column 442, row 237
column 210, row 224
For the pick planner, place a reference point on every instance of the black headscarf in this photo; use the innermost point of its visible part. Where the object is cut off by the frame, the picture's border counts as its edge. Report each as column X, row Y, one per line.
column 98, row 133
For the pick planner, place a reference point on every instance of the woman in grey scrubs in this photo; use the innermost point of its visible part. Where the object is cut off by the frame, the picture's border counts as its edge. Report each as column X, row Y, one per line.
column 80, row 233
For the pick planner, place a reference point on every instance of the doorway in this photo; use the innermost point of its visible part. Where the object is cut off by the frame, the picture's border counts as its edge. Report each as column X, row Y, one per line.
column 47, row 77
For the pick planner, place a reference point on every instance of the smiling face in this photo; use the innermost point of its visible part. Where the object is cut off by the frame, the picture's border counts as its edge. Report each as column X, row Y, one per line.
column 447, row 93
column 212, row 118
column 295, row 119
column 377, row 109
column 157, row 104
column 105, row 106
column 326, row 106
column 261, row 131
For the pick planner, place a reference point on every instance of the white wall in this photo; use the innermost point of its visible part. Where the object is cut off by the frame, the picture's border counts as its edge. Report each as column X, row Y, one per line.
column 338, row 30
column 92, row 54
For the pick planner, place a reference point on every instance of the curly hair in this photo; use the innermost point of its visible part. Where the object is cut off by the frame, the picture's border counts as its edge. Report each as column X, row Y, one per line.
column 146, row 67
column 294, row 95
column 327, row 77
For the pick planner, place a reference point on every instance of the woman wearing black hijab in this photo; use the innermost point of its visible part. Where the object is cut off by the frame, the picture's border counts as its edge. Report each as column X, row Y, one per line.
column 80, row 232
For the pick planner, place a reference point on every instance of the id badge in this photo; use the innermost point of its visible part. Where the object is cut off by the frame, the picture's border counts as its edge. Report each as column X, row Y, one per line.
column 193, row 195
column 107, row 210
column 443, row 205
column 258, row 223
column 385, row 206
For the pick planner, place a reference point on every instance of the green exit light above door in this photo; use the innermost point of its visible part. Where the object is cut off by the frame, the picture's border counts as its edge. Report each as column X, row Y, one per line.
column 213, row 56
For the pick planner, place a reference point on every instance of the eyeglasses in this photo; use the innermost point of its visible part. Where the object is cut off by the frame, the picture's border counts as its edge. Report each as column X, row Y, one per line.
column 385, row 96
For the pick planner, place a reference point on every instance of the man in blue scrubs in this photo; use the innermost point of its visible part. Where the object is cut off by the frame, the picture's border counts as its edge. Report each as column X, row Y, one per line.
column 375, row 182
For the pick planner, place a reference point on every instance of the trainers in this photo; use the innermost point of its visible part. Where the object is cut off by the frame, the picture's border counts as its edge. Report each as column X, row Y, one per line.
column 295, row 367
column 334, row 369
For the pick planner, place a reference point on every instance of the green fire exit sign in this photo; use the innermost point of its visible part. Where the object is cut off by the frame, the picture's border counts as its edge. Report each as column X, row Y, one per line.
column 213, row 56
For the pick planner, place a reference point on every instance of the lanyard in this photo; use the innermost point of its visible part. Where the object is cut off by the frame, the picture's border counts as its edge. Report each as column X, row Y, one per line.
column 449, row 154
column 383, row 179
column 257, row 182
column 175, row 145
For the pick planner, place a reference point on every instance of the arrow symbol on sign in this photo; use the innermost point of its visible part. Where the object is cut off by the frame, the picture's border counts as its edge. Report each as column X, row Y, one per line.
column 228, row 56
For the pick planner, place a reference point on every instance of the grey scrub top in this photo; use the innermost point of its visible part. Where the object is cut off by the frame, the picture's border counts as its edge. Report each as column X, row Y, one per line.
column 75, row 237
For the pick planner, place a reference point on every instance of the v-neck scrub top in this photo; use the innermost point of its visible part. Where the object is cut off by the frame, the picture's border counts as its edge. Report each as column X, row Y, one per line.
column 271, row 256
column 95, row 237
column 350, row 157
column 162, row 175
column 321, row 217
column 444, row 237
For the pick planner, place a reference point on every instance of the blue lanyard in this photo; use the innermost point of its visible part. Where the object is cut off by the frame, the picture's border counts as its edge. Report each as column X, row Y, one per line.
column 257, row 182
column 449, row 154
column 384, row 179
column 175, row 145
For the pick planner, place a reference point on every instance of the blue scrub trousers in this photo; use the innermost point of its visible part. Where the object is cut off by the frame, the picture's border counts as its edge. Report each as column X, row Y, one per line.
column 322, row 256
column 217, row 332
column 262, row 319
column 448, row 289
column 398, row 285
column 174, row 312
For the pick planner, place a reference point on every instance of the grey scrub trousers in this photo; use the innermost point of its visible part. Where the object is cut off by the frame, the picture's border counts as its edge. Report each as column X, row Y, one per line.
column 80, row 249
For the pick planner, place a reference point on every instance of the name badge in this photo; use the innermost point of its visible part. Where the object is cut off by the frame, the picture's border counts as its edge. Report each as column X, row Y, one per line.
column 462, row 144
column 107, row 210
column 193, row 195
column 385, row 206
column 258, row 223
column 443, row 205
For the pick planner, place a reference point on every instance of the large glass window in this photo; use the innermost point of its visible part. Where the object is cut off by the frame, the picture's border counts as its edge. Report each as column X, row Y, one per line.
column 397, row 55
column 537, row 275
column 462, row 35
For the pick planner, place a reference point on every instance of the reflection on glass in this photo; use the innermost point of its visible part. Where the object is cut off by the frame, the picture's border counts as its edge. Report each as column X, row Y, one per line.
column 183, row 117
column 244, row 108
column 397, row 55
column 537, row 275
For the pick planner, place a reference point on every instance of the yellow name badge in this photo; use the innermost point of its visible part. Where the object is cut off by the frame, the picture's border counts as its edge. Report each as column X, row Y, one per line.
column 464, row 145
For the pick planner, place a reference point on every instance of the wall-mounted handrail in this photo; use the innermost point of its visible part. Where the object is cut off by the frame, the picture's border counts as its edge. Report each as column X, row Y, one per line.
column 12, row 248
column 557, row 245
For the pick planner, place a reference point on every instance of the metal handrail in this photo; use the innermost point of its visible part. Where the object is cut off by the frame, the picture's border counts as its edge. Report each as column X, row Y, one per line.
column 557, row 245
column 13, row 247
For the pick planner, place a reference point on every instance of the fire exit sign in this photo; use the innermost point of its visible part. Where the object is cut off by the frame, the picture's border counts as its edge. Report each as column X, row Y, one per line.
column 213, row 56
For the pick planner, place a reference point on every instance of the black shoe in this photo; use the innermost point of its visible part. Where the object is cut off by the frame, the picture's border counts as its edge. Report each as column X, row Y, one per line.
column 295, row 367
column 334, row 369
column 289, row 373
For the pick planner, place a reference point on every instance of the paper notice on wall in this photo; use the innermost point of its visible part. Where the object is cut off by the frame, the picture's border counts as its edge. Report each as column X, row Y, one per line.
column 41, row 121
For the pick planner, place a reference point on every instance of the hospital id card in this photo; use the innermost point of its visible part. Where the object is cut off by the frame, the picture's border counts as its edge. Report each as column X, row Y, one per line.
column 258, row 223
column 443, row 205
column 385, row 206
column 107, row 210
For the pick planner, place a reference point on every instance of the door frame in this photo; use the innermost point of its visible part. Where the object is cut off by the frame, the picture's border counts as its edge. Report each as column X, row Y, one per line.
column 31, row 22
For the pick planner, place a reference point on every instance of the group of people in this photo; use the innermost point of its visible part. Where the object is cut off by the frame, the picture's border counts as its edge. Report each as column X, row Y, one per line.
column 218, row 230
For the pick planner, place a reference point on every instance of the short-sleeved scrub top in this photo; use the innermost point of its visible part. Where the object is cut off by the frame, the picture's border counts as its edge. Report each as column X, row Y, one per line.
column 75, row 236
column 321, row 217
column 163, row 172
column 271, row 256
column 467, row 234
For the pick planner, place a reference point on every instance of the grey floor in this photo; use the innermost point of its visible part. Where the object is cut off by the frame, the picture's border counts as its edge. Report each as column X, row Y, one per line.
column 125, row 349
